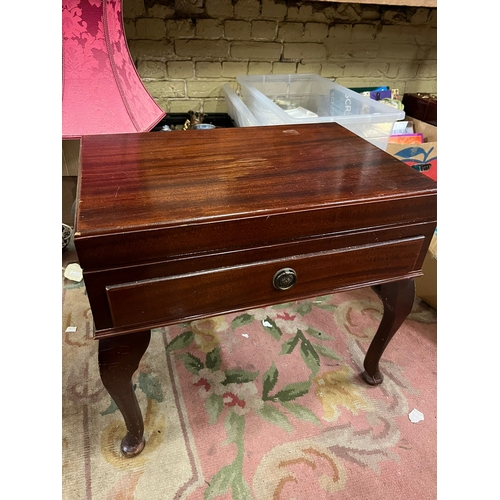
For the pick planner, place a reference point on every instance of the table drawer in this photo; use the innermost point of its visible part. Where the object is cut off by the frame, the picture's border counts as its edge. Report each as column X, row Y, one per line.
column 169, row 299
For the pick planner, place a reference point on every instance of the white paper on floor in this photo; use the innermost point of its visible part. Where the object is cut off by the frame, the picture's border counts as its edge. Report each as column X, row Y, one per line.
column 415, row 416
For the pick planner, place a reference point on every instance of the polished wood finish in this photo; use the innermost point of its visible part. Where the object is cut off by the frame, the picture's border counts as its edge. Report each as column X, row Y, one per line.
column 398, row 298
column 119, row 358
column 164, row 217
column 242, row 287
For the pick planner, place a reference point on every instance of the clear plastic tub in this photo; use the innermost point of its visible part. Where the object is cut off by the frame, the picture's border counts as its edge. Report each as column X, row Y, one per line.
column 309, row 98
column 237, row 109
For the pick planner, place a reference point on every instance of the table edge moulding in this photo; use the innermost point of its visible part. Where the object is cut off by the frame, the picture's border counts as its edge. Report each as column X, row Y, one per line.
column 255, row 215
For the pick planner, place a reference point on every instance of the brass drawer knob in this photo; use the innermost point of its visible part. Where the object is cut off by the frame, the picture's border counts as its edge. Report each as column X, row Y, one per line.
column 284, row 279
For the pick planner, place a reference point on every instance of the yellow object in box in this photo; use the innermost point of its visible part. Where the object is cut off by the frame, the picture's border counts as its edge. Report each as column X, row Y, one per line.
column 426, row 285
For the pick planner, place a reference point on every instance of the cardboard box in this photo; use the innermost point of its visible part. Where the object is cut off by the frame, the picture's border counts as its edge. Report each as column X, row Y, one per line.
column 422, row 157
column 426, row 285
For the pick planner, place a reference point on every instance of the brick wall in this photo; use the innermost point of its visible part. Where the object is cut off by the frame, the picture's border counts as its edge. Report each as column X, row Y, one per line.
column 185, row 50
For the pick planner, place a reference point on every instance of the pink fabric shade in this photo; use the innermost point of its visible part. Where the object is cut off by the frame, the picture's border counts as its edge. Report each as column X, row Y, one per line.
column 102, row 91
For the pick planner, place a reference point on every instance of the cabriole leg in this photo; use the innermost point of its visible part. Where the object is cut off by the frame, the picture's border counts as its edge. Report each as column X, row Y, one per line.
column 119, row 358
column 398, row 298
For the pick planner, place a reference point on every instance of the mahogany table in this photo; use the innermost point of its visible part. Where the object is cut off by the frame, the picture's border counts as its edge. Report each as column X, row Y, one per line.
column 176, row 226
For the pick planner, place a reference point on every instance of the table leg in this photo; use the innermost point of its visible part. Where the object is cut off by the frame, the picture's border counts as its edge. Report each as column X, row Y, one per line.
column 398, row 298
column 119, row 358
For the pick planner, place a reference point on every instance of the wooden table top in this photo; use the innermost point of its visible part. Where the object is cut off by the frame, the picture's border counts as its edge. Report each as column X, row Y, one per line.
column 164, row 179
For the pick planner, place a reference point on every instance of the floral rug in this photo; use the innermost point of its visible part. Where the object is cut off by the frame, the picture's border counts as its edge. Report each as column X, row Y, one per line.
column 264, row 404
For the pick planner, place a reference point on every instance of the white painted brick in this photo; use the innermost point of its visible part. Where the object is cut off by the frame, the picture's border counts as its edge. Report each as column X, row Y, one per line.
column 208, row 69
column 428, row 53
column 266, row 51
column 150, row 28
column 332, row 70
column 315, row 32
column 309, row 51
column 370, row 13
column 364, row 45
column 421, row 16
column 259, row 68
column 163, row 103
column 394, row 16
column 232, row 69
column 314, row 68
column 340, row 32
column 209, row 88
column 180, row 69
column 165, row 89
column 151, row 50
column 283, row 68
column 214, row 106
column 426, row 36
column 159, row 11
column 133, row 9
column 406, row 69
column 237, row 30
column 264, row 30
column 188, row 8
column 247, row 9
column 329, row 13
column 433, row 18
column 291, row 32
column 300, row 13
column 152, row 70
column 377, row 69
column 219, row 8
column 398, row 33
column 209, row 28
column 427, row 70
column 272, row 9
column 363, row 32
column 354, row 82
column 348, row 12
column 184, row 105
column 202, row 48
column 421, row 85
column 354, row 69
column 351, row 51
column 397, row 51
column 129, row 27
column 180, row 28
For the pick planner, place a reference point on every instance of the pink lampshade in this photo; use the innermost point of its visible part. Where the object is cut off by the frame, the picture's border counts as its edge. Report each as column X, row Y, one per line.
column 102, row 91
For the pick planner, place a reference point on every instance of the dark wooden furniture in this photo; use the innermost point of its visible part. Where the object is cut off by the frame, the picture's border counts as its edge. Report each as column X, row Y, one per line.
column 182, row 225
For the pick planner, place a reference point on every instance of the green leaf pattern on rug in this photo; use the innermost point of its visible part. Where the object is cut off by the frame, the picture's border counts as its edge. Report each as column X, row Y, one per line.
column 180, row 342
column 235, row 390
column 214, row 405
column 242, row 320
column 214, row 359
column 292, row 391
column 231, row 476
column 239, row 377
column 150, row 386
column 275, row 416
column 271, row 328
column 269, row 381
column 192, row 363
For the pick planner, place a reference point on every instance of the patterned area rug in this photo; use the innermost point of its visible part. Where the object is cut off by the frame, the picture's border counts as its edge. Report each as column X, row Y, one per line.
column 265, row 404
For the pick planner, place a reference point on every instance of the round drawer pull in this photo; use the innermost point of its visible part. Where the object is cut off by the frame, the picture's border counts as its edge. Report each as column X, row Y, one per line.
column 284, row 279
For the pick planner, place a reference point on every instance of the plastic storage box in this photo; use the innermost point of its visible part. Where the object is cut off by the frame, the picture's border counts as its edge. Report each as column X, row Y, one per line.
column 237, row 109
column 309, row 98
